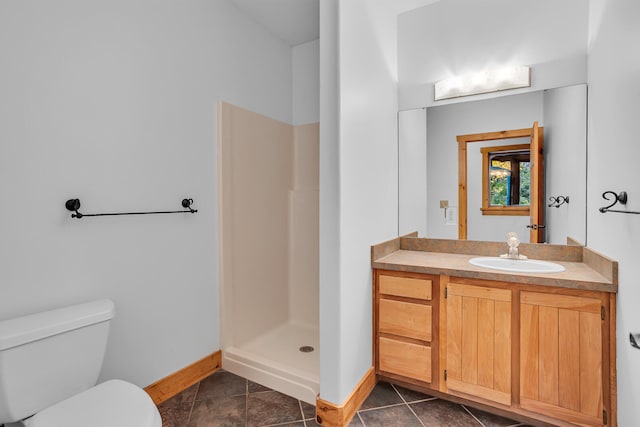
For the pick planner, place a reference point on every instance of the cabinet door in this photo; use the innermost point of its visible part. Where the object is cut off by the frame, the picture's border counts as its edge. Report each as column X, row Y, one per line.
column 561, row 356
column 479, row 341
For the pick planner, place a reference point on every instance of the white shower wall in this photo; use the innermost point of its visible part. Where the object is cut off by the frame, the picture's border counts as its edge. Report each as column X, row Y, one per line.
column 268, row 184
column 303, row 227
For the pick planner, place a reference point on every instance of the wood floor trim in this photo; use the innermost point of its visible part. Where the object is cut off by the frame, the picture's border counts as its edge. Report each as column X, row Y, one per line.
column 173, row 384
column 329, row 414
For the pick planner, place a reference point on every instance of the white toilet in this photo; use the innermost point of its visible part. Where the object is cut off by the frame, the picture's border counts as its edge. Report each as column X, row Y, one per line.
column 49, row 365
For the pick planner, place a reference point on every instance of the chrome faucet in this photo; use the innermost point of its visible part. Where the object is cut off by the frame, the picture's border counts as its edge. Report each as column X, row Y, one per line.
column 513, row 242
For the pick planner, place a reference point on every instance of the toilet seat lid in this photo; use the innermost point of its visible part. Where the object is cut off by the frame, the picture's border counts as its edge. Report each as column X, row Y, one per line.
column 110, row 404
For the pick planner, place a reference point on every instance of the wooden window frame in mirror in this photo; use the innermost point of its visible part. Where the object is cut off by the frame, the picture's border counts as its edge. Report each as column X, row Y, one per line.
column 488, row 209
column 535, row 207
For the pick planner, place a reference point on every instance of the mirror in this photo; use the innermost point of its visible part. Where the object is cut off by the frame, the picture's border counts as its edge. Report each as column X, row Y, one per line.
column 428, row 165
column 532, row 178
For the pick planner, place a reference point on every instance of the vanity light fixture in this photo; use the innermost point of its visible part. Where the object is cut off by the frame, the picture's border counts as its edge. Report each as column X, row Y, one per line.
column 491, row 80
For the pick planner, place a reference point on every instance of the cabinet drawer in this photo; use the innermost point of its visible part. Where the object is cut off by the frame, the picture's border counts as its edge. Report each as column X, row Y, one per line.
column 405, row 287
column 406, row 359
column 405, row 319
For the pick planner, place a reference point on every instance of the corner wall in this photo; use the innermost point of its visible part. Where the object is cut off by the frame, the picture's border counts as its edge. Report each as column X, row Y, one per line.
column 329, row 271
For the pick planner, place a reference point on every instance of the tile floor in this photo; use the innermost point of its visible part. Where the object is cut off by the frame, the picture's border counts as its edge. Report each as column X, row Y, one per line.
column 225, row 399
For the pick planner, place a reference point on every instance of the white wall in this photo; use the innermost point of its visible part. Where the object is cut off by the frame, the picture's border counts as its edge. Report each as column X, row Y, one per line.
column 367, row 200
column 330, row 314
column 306, row 83
column 368, row 169
column 613, row 109
column 114, row 102
column 565, row 159
column 613, row 165
column 457, row 37
column 444, row 123
column 412, row 172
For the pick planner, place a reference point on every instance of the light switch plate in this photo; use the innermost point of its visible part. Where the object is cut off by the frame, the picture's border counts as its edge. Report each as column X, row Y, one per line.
column 444, row 204
column 451, row 216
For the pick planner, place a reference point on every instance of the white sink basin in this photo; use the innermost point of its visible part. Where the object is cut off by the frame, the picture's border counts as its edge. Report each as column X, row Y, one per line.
column 517, row 265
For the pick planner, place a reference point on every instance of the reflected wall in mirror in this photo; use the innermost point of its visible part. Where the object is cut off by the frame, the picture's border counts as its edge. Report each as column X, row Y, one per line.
column 428, row 157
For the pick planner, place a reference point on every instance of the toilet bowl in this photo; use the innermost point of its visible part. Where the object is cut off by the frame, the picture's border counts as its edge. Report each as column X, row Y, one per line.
column 112, row 403
column 49, row 364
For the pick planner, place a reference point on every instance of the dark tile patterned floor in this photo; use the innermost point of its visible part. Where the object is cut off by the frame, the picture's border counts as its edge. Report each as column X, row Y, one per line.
column 225, row 399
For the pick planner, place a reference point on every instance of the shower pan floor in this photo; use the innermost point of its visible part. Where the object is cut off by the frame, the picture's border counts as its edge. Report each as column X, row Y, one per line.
column 274, row 359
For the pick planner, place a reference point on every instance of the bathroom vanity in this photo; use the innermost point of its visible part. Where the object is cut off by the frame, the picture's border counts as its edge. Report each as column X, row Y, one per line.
column 537, row 347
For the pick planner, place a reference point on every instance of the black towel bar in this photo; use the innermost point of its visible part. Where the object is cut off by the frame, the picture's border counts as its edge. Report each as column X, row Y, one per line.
column 622, row 198
column 73, row 205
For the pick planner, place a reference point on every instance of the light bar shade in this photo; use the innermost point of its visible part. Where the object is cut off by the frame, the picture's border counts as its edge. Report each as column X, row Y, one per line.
column 492, row 80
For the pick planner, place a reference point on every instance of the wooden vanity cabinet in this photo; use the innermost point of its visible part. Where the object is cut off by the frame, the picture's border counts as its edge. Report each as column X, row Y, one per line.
column 562, row 355
column 478, row 341
column 540, row 352
column 404, row 332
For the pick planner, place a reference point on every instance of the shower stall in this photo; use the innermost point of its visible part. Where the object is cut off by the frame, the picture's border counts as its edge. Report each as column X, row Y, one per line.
column 268, row 199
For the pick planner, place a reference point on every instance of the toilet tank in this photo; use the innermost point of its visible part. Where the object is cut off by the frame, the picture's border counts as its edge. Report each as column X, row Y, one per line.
column 49, row 356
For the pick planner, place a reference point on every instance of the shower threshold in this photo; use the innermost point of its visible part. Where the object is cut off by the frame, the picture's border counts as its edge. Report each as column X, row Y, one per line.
column 274, row 360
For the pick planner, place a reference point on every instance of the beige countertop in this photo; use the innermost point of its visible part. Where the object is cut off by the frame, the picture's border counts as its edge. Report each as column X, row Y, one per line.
column 584, row 269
